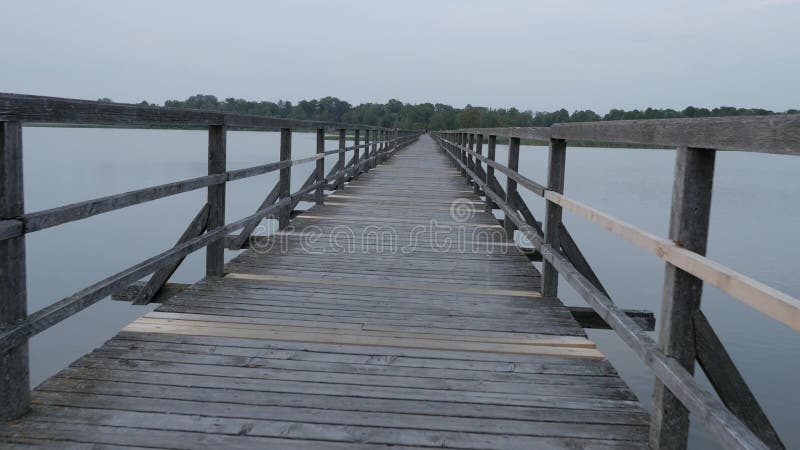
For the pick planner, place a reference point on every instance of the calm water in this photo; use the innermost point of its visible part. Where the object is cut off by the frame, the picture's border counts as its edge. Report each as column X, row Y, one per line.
column 752, row 230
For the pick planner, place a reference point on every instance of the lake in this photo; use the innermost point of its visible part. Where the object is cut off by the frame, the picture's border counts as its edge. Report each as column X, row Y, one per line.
column 753, row 228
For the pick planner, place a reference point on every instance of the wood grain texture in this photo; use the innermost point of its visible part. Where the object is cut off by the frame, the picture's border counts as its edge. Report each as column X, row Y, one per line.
column 765, row 299
column 556, row 167
column 54, row 110
column 713, row 414
column 14, row 369
column 381, row 339
column 217, row 157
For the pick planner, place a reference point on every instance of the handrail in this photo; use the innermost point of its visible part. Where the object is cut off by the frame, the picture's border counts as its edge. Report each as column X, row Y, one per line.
column 765, row 299
column 738, row 420
column 207, row 229
column 763, row 134
column 54, row 110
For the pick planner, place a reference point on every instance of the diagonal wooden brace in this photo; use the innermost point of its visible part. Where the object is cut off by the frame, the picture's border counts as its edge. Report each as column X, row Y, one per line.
column 160, row 277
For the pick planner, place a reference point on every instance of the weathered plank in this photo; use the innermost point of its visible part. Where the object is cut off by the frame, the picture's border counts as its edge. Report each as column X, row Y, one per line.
column 14, row 378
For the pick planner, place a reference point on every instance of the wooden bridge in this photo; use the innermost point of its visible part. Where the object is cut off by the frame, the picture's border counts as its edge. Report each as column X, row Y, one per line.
column 397, row 311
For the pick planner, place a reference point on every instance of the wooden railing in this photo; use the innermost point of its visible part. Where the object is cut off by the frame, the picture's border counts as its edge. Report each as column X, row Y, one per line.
column 207, row 229
column 685, row 335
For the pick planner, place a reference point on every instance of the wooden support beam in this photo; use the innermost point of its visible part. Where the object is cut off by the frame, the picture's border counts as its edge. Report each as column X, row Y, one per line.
column 215, row 252
column 167, row 291
column 511, row 185
column 285, row 179
column 363, row 167
column 555, row 182
column 312, row 179
column 490, row 154
column 320, row 172
column 479, row 150
column 341, row 162
column 575, row 256
column 729, row 383
column 588, row 318
column 196, row 227
column 248, row 229
column 691, row 208
column 356, row 157
column 470, row 162
column 15, row 397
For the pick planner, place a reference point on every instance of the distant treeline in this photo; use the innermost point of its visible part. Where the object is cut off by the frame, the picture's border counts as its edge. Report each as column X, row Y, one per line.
column 438, row 116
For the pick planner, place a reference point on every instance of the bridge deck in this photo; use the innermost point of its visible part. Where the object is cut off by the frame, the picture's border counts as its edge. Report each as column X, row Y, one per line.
column 384, row 317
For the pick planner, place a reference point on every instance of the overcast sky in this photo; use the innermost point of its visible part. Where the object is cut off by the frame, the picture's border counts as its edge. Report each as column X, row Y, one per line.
column 539, row 55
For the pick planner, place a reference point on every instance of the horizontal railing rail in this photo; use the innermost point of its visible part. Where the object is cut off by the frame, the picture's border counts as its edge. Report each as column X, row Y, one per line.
column 207, row 229
column 34, row 109
column 685, row 335
column 761, row 134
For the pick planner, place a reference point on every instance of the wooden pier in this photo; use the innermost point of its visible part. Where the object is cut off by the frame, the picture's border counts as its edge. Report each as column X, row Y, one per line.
column 397, row 311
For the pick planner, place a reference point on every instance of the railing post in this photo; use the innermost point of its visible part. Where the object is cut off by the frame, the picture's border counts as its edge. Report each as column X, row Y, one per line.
column 285, row 178
column 490, row 154
column 688, row 226
column 555, row 182
column 342, row 162
column 357, row 143
column 471, row 146
column 320, row 166
column 478, row 150
column 511, row 185
column 366, row 149
column 384, row 145
column 377, row 138
column 462, row 141
column 215, row 251
column 15, row 397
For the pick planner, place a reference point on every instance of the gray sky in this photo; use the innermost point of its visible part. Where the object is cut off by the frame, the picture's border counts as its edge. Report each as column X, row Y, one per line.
column 539, row 55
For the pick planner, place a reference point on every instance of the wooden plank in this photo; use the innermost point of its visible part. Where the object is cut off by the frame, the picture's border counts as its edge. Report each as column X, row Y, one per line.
column 160, row 277
column 76, row 211
column 688, row 224
column 204, row 320
column 14, row 375
column 387, row 285
column 768, row 134
column 765, row 299
column 530, row 133
column 152, row 326
column 729, row 383
column 215, row 252
column 59, row 390
column 54, row 110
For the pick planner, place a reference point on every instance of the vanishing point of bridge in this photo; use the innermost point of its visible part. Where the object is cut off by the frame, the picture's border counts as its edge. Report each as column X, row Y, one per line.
column 397, row 311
